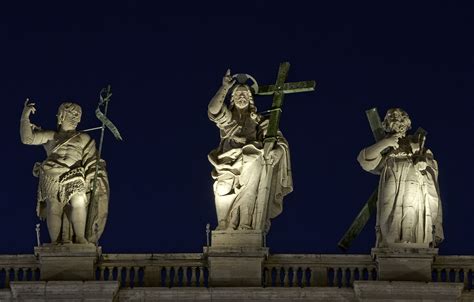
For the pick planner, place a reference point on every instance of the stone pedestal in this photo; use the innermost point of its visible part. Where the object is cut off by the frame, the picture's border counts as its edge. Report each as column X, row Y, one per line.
column 368, row 291
column 404, row 263
column 236, row 258
column 68, row 262
column 97, row 291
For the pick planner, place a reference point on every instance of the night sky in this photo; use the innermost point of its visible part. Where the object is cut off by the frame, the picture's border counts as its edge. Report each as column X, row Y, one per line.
column 165, row 61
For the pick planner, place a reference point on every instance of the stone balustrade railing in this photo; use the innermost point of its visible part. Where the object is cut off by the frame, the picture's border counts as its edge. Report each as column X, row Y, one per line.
column 18, row 268
column 454, row 269
column 280, row 270
column 289, row 270
column 167, row 270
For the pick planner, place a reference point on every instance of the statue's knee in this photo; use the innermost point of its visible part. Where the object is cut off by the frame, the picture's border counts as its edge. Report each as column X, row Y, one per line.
column 78, row 201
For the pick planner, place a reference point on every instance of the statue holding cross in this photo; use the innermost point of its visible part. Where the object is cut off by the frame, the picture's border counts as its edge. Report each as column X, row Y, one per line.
column 251, row 166
column 408, row 204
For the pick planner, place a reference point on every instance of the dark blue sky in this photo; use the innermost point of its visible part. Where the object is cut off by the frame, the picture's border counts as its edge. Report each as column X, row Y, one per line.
column 166, row 60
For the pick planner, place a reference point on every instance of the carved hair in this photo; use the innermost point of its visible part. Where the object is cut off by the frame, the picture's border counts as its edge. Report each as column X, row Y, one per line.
column 252, row 108
column 395, row 118
column 74, row 110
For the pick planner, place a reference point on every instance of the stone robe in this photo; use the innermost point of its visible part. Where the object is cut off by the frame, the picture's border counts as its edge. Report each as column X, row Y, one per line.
column 239, row 170
column 406, row 197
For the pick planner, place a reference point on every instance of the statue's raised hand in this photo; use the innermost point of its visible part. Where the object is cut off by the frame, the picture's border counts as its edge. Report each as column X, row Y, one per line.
column 392, row 140
column 227, row 80
column 28, row 109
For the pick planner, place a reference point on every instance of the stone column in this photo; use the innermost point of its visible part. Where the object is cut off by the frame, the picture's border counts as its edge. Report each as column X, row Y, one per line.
column 67, row 262
column 404, row 263
column 236, row 258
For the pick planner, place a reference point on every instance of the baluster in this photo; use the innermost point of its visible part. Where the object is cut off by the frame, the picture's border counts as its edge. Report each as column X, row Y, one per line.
column 343, row 277
column 465, row 272
column 201, row 276
column 168, row 276
column 134, row 282
column 360, row 273
column 15, row 273
column 352, row 277
column 120, row 276
column 301, row 282
column 7, row 277
column 373, row 274
column 457, row 277
column 284, row 282
column 288, row 280
column 438, row 275
column 101, row 273
column 266, row 276
column 127, row 276
column 312, row 276
column 193, row 280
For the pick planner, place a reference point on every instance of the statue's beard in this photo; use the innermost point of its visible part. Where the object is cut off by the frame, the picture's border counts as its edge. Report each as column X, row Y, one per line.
column 398, row 127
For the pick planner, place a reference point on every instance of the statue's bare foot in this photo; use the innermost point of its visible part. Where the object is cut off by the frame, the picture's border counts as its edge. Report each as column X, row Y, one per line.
column 244, row 227
column 81, row 240
column 222, row 225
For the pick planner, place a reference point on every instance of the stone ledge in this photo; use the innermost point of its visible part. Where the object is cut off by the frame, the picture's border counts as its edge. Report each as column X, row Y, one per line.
column 231, row 294
column 407, row 291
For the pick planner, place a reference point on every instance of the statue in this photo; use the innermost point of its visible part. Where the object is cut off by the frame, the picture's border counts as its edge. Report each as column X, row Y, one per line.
column 409, row 208
column 239, row 163
column 67, row 175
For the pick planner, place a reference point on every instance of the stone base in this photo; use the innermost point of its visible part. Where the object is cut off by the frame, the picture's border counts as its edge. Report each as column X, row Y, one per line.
column 232, row 238
column 236, row 258
column 97, row 291
column 407, row 291
column 67, row 262
column 404, row 264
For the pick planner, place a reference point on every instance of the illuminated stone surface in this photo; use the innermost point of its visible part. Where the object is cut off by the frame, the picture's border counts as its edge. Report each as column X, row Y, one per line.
column 66, row 176
column 408, row 207
column 240, row 175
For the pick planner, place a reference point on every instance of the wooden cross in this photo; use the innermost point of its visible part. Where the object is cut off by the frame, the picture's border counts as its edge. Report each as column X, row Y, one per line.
column 278, row 91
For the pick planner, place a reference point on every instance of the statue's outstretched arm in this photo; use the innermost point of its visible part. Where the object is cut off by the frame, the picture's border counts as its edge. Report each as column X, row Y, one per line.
column 217, row 101
column 29, row 133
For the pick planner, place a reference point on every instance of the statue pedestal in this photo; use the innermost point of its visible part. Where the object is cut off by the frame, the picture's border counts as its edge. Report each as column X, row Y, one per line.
column 401, row 263
column 236, row 258
column 68, row 262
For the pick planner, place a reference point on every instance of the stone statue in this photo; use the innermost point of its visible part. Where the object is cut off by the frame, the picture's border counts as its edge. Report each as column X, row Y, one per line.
column 66, row 176
column 238, row 161
column 409, row 208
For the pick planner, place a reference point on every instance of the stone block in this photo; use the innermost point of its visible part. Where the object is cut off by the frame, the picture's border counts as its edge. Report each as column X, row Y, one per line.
column 404, row 264
column 98, row 291
column 371, row 291
column 68, row 262
column 236, row 258
column 237, row 238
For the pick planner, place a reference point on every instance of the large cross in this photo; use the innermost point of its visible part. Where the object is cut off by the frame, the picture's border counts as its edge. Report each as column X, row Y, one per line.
column 371, row 205
column 278, row 91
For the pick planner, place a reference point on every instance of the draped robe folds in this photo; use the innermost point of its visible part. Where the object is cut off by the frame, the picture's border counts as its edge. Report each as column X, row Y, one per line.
column 59, row 180
column 406, row 197
column 239, row 170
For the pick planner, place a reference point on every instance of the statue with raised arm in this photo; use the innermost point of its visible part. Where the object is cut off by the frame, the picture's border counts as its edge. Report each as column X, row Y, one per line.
column 66, row 176
column 239, row 163
column 409, row 211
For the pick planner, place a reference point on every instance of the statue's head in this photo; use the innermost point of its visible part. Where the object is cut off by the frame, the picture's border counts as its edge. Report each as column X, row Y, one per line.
column 396, row 121
column 69, row 116
column 242, row 97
